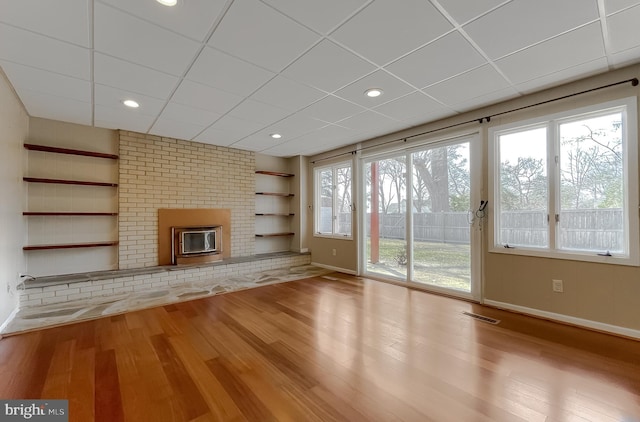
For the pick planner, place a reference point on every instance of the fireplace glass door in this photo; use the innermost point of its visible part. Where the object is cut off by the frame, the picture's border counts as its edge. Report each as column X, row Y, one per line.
column 200, row 241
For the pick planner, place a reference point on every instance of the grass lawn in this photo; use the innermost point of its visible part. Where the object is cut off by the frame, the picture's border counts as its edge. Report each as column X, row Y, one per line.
column 440, row 264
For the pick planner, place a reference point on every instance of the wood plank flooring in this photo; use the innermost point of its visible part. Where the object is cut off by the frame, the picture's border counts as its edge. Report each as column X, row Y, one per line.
column 346, row 349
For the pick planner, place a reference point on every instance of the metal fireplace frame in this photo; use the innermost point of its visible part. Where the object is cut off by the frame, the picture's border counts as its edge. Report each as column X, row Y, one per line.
column 179, row 256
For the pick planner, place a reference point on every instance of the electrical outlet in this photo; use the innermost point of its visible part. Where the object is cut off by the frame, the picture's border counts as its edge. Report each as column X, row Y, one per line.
column 558, row 287
column 333, row 252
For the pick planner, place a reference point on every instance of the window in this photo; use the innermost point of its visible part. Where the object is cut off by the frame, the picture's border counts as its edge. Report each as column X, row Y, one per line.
column 565, row 186
column 333, row 200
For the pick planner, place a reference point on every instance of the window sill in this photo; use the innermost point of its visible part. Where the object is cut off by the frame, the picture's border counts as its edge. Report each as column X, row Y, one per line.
column 333, row 236
column 568, row 256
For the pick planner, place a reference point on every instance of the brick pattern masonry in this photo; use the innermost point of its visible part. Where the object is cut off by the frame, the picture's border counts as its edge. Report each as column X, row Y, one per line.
column 157, row 281
column 160, row 172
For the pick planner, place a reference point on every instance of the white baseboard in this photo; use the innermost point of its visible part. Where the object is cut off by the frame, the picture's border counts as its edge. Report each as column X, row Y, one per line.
column 594, row 325
column 332, row 268
column 9, row 319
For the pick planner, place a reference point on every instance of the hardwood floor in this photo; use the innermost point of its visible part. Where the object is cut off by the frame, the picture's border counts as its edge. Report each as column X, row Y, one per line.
column 347, row 349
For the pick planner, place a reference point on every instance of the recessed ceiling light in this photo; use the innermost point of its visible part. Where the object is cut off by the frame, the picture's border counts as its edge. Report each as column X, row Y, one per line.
column 168, row 2
column 373, row 92
column 276, row 136
column 131, row 103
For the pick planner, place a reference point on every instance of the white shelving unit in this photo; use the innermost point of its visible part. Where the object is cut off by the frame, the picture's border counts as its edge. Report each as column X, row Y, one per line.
column 71, row 202
column 273, row 211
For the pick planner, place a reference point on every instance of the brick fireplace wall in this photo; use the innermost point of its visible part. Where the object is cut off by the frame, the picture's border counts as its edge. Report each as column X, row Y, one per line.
column 158, row 172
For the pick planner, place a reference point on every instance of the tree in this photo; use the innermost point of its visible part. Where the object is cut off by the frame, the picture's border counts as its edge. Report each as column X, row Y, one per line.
column 392, row 176
column 523, row 184
column 459, row 179
column 441, row 180
column 344, row 189
column 326, row 187
column 591, row 166
column 432, row 170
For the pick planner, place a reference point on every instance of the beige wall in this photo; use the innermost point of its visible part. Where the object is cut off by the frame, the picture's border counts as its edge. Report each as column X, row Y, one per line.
column 346, row 257
column 599, row 295
column 160, row 172
column 14, row 125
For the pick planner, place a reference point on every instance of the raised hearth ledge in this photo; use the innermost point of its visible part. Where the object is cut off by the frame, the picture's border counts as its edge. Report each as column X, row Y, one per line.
column 54, row 280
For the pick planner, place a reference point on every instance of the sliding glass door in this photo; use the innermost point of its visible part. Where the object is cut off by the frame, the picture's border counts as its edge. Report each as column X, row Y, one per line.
column 420, row 223
column 386, row 225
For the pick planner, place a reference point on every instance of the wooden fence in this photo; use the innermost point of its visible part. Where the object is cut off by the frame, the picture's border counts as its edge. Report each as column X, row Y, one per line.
column 446, row 227
column 592, row 229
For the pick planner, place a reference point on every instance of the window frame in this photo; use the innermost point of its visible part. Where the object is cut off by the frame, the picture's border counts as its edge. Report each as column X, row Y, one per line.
column 317, row 201
column 628, row 107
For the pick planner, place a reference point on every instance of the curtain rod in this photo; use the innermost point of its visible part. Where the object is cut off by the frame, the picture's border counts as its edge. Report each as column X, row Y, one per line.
column 633, row 81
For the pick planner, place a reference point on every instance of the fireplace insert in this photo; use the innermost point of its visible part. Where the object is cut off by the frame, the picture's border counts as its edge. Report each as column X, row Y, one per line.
column 195, row 242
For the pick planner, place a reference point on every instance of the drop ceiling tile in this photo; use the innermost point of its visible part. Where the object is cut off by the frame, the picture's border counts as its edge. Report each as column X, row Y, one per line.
column 215, row 137
column 328, row 137
column 323, row 139
column 228, row 130
column 464, row 88
column 192, row 18
column 382, row 31
column 286, row 150
column 196, row 95
column 521, row 23
column 256, row 143
column 237, row 126
column 565, row 75
column 222, row 71
column 40, row 16
column 53, row 107
column 486, row 99
column 462, row 11
column 441, row 59
column 42, row 52
column 194, row 116
column 257, row 111
column 331, row 109
column 119, row 118
column 313, row 149
column 321, row 16
column 112, row 97
column 382, row 131
column 25, row 77
column 612, row 6
column 409, row 106
column 328, row 67
column 624, row 31
column 367, row 121
column 255, row 32
column 328, row 134
column 432, row 116
column 175, row 129
column 290, row 128
column 287, row 94
column 132, row 77
column 625, row 57
column 127, row 37
column 392, row 87
column 573, row 48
